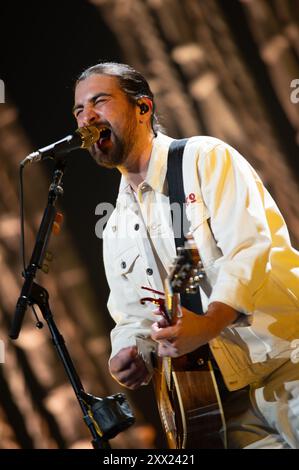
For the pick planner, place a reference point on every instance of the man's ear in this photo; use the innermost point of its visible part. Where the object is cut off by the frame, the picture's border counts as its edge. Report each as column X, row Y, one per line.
column 143, row 108
column 145, row 105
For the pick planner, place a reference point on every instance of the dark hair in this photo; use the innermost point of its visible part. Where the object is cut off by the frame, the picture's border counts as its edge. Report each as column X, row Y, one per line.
column 132, row 83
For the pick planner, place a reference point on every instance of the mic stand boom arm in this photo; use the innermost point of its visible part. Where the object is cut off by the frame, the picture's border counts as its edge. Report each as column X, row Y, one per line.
column 105, row 417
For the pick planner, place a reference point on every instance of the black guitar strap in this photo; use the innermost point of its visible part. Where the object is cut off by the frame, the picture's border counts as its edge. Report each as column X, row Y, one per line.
column 176, row 193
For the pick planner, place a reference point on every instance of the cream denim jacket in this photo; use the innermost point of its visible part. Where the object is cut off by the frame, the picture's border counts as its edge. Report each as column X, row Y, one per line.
column 243, row 243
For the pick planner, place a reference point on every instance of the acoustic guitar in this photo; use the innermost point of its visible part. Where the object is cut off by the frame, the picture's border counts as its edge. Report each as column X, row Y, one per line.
column 185, row 387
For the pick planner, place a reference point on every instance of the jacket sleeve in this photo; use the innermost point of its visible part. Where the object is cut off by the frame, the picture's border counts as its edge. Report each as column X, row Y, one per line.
column 233, row 194
column 133, row 320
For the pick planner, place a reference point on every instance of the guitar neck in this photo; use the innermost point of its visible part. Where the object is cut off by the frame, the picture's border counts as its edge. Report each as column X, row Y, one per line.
column 172, row 302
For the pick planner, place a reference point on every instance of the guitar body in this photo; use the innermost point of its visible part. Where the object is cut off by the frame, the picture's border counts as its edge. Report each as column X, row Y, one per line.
column 189, row 403
column 185, row 387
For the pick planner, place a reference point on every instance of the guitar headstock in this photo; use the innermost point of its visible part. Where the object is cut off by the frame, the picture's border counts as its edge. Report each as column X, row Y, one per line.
column 186, row 274
column 187, row 270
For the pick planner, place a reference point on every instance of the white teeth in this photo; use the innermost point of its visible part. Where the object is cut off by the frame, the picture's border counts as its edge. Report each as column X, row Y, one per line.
column 103, row 129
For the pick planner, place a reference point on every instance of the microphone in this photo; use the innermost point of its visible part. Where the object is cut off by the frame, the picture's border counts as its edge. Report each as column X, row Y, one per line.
column 84, row 137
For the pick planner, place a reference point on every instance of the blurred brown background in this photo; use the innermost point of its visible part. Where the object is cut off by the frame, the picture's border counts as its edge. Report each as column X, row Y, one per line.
column 224, row 68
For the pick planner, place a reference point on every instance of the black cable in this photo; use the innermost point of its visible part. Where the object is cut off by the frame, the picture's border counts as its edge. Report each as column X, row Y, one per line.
column 21, row 198
column 39, row 324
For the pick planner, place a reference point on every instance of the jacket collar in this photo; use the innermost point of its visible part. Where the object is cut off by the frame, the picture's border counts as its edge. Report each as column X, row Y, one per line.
column 157, row 168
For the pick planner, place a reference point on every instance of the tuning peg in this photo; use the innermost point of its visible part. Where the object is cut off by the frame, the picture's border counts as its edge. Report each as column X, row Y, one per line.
column 192, row 289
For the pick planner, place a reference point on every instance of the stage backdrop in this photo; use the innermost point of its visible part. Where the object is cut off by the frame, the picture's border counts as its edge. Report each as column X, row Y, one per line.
column 222, row 68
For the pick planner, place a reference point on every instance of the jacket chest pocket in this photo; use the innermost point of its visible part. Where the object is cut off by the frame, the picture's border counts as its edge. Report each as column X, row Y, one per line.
column 199, row 218
column 130, row 267
column 209, row 252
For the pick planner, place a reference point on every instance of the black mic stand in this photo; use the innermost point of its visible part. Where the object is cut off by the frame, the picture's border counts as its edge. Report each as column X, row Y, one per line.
column 105, row 417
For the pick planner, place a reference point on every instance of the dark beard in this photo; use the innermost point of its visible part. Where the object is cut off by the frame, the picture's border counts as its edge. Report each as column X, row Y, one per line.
column 112, row 157
column 116, row 156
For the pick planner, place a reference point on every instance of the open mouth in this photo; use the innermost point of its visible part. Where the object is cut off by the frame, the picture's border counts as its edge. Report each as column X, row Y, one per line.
column 105, row 137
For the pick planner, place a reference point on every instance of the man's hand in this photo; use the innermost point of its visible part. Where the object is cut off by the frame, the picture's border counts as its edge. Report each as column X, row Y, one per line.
column 190, row 331
column 128, row 368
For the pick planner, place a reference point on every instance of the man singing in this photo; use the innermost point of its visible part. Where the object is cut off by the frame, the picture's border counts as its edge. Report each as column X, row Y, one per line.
column 251, row 308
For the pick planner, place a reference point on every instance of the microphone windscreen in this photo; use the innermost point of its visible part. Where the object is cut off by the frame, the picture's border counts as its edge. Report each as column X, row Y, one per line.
column 89, row 135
